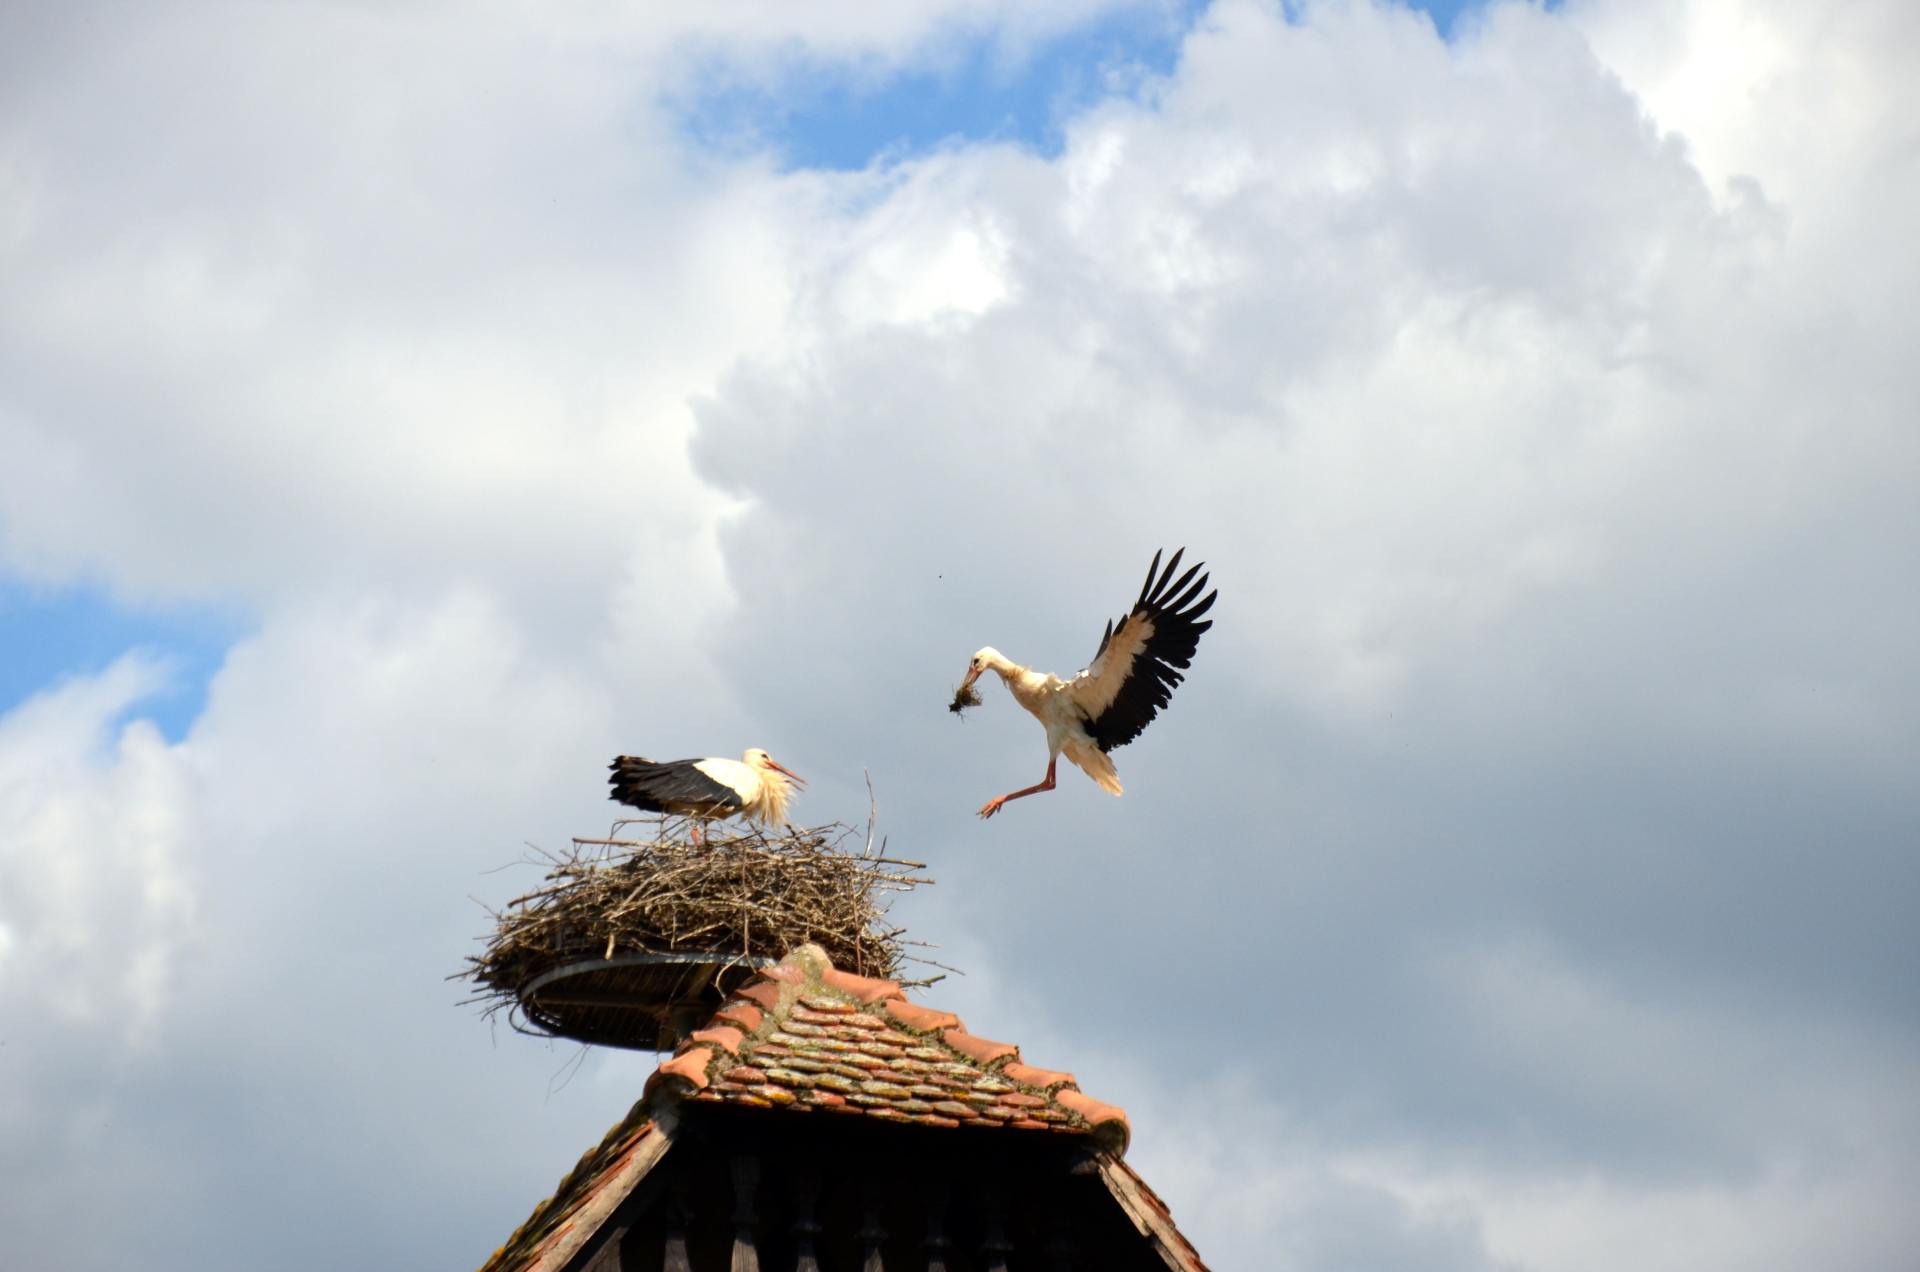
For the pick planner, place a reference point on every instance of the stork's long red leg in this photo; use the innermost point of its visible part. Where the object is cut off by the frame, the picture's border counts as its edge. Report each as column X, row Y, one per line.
column 993, row 805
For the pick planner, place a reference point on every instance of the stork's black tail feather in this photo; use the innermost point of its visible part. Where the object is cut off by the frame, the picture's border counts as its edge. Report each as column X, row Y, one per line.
column 631, row 775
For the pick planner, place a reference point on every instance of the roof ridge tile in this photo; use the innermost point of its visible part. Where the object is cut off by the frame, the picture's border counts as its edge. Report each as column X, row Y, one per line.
column 1027, row 1075
column 1095, row 1111
column 864, row 988
column 985, row 1050
column 745, row 1016
column 692, row 1065
column 765, row 993
column 924, row 1019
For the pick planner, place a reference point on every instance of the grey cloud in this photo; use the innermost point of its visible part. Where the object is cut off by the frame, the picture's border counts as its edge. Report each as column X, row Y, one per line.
column 1564, row 552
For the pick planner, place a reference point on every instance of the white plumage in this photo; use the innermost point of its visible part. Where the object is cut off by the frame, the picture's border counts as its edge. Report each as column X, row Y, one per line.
column 710, row 789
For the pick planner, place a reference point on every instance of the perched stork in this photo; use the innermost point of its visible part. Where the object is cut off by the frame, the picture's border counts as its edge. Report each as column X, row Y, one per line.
column 1131, row 677
column 708, row 789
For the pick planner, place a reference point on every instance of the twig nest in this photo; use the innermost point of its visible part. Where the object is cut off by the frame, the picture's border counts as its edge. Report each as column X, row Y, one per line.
column 740, row 897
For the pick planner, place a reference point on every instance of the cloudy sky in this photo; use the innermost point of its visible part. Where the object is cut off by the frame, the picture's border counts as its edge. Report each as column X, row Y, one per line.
column 405, row 407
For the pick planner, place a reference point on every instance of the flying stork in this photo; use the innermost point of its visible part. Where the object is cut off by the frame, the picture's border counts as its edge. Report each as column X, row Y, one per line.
column 710, row 789
column 1131, row 677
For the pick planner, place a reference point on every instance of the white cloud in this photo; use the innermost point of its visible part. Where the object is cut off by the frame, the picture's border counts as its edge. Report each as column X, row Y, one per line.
column 94, row 818
column 98, row 908
column 1807, row 98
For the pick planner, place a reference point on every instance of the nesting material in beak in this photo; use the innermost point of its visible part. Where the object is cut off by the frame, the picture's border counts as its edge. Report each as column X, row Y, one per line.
column 963, row 697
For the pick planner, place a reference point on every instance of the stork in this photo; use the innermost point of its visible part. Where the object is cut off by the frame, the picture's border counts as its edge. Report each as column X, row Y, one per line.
column 1131, row 677
column 706, row 790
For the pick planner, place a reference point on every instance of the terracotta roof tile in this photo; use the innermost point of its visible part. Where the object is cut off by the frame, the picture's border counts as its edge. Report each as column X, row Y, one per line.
column 924, row 1019
column 764, row 993
column 692, row 1066
column 805, row 1035
column 1093, row 1110
column 864, row 988
column 745, row 1016
column 1030, row 1076
column 984, row 1050
column 1149, row 1215
column 591, row 1190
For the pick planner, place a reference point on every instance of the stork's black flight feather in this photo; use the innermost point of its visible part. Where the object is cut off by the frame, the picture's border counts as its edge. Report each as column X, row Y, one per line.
column 1134, row 671
column 673, row 787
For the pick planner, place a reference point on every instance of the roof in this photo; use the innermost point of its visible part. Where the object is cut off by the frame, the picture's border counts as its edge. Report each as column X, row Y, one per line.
column 597, row 1184
column 806, row 1036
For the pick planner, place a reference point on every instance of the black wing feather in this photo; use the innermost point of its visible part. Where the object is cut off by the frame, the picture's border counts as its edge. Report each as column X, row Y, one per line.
column 1177, row 627
column 659, row 788
column 1104, row 639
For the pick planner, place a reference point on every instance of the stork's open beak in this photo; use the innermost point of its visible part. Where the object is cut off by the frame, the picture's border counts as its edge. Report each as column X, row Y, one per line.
column 779, row 768
column 973, row 674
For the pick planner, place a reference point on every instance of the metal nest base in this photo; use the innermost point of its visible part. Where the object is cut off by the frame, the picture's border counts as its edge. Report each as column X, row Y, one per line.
column 648, row 1002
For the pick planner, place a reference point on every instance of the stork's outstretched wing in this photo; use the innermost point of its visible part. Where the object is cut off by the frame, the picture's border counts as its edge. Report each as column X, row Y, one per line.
column 670, row 787
column 1133, row 673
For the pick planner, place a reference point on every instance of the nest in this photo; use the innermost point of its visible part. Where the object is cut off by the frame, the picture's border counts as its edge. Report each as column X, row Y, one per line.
column 747, row 895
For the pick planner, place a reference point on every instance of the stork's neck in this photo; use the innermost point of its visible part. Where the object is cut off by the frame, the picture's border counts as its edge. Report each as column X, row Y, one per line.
column 769, row 803
column 1010, row 671
column 1027, row 686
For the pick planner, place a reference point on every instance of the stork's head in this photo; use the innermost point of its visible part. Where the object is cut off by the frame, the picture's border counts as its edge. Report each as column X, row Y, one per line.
column 982, row 661
column 758, row 759
column 769, row 805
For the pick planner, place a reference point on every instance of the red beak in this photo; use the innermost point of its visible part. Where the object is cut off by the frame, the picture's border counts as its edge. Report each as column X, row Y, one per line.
column 973, row 674
column 789, row 772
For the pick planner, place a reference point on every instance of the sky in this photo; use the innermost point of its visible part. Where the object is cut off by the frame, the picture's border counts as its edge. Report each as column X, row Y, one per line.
column 405, row 408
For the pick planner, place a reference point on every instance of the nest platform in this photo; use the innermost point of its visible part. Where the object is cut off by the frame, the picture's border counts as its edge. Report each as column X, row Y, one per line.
column 635, row 939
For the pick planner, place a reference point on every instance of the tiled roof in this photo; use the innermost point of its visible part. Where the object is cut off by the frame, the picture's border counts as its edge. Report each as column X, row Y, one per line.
column 597, row 1184
column 805, row 1036
column 1150, row 1215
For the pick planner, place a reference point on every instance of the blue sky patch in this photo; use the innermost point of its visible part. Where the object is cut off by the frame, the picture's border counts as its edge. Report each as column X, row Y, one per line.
column 841, row 116
column 49, row 634
column 1446, row 12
